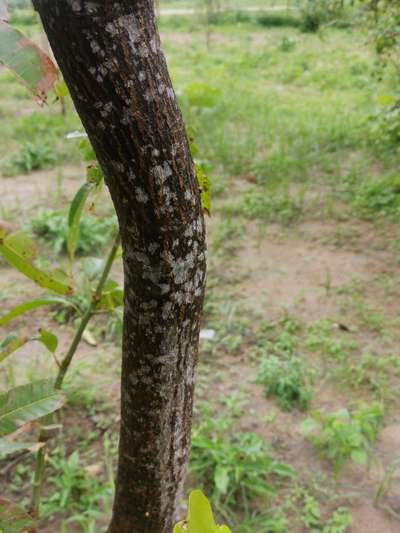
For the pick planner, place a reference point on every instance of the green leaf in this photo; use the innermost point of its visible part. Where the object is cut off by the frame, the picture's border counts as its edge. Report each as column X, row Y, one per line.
column 204, row 184
column 26, row 403
column 200, row 517
column 74, row 217
column 87, row 150
column 61, row 89
column 48, row 339
column 13, row 518
column 359, row 456
column 21, row 243
column 94, row 174
column 112, row 296
column 32, row 66
column 221, row 479
column 11, row 344
column 7, row 447
column 30, row 306
column 30, row 271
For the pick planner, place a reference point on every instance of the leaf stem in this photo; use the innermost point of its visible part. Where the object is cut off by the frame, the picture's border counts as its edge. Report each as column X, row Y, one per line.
column 65, row 363
column 63, row 369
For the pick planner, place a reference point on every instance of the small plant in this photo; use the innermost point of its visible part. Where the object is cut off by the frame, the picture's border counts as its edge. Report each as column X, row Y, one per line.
column 320, row 338
column 379, row 196
column 271, row 521
column 287, row 380
column 311, row 514
column 373, row 372
column 272, row 206
column 339, row 522
column 94, row 233
column 287, row 44
column 236, row 467
column 30, row 157
column 345, row 435
column 75, row 489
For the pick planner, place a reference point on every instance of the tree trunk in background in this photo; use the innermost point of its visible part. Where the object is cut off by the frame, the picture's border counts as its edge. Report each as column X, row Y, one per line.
column 109, row 53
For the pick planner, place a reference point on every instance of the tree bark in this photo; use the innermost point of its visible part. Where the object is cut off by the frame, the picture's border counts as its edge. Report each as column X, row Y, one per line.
column 109, row 53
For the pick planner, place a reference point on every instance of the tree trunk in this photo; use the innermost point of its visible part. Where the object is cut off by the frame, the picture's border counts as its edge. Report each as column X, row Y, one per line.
column 109, row 53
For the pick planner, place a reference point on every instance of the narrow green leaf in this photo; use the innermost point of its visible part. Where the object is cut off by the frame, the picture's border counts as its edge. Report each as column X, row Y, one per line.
column 74, row 217
column 7, row 447
column 22, row 244
column 11, row 345
column 26, row 403
column 30, row 271
column 33, row 67
column 221, row 479
column 13, row 518
column 30, row 306
column 48, row 339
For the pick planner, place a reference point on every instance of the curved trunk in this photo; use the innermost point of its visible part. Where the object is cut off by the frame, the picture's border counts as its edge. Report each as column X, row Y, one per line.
column 109, row 53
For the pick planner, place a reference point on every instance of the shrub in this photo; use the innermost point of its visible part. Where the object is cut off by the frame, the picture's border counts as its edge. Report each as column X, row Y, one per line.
column 30, row 157
column 94, row 233
column 345, row 435
column 287, row 380
column 235, row 466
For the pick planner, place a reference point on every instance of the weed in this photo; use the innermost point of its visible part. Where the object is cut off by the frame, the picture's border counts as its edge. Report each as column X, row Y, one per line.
column 236, row 467
column 320, row 338
column 311, row 515
column 275, row 206
column 287, row 44
column 379, row 195
column 94, row 234
column 372, row 371
column 74, row 489
column 339, row 522
column 235, row 403
column 287, row 380
column 273, row 20
column 227, row 235
column 345, row 435
column 30, row 157
column 272, row 521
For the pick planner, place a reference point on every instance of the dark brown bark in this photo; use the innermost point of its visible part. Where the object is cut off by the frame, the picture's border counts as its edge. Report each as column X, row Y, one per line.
column 109, row 53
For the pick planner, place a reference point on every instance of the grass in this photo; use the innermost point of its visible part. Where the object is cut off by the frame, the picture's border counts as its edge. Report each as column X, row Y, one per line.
column 284, row 123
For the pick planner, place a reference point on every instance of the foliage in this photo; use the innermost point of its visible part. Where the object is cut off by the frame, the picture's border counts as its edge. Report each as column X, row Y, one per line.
column 287, row 380
column 200, row 517
column 235, row 466
column 379, row 195
column 273, row 206
column 32, row 156
column 383, row 21
column 75, row 489
column 94, row 234
column 316, row 12
column 311, row 515
column 320, row 338
column 344, row 435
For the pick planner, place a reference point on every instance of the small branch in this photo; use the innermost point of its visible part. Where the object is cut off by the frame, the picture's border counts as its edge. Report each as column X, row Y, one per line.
column 63, row 369
column 65, row 363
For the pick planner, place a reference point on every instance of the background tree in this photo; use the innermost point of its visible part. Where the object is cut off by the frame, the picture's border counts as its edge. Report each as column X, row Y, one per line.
column 111, row 59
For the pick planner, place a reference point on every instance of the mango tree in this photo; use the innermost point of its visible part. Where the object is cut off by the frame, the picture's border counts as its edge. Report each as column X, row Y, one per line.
column 110, row 55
